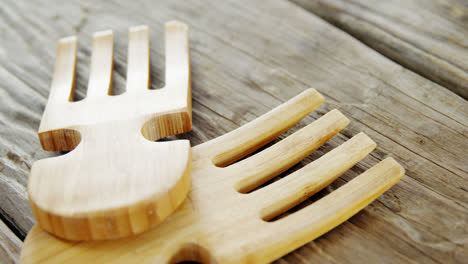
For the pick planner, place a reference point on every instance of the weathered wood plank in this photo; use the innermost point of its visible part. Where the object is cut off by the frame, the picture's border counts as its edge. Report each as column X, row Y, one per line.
column 10, row 245
column 245, row 61
column 428, row 37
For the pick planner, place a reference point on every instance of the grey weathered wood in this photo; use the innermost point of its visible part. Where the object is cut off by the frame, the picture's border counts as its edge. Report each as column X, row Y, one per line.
column 428, row 37
column 247, row 58
column 10, row 245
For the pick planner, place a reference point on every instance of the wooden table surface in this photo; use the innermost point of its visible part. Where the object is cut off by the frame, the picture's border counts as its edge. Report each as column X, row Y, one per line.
column 397, row 69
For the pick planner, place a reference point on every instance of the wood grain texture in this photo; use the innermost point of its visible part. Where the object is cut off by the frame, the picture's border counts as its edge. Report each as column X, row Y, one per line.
column 246, row 60
column 219, row 224
column 115, row 182
column 10, row 245
column 427, row 37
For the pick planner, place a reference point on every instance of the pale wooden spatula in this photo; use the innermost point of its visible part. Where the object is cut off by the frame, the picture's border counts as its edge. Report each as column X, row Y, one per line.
column 115, row 182
column 223, row 220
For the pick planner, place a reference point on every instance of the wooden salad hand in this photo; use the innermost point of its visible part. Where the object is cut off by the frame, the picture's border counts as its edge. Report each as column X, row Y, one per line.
column 115, row 182
column 226, row 217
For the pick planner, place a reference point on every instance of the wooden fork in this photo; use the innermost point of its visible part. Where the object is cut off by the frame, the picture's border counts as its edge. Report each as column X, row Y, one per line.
column 115, row 182
column 223, row 220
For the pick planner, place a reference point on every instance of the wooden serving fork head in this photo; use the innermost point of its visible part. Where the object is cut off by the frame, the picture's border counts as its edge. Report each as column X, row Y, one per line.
column 227, row 218
column 115, row 182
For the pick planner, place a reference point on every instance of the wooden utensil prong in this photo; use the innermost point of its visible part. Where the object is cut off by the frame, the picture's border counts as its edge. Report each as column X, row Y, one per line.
column 63, row 80
column 100, row 77
column 289, row 191
column 177, row 55
column 267, row 164
column 238, row 143
column 138, row 76
column 328, row 212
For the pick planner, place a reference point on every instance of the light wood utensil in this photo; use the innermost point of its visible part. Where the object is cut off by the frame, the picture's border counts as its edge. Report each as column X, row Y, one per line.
column 115, row 182
column 223, row 220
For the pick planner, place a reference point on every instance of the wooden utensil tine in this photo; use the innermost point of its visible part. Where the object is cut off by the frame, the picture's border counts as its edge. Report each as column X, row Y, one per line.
column 100, row 77
column 267, row 164
column 325, row 214
column 289, row 191
column 63, row 80
column 236, row 144
column 138, row 77
column 177, row 56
